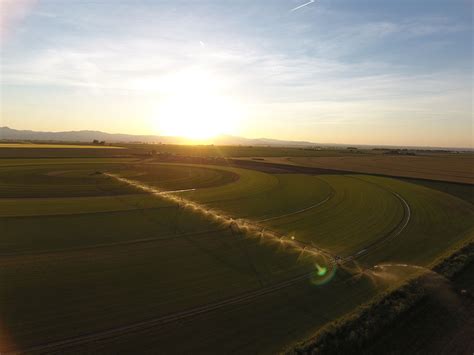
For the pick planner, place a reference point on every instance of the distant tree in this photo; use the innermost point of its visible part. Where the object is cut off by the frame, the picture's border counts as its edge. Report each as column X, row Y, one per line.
column 102, row 142
column 95, row 141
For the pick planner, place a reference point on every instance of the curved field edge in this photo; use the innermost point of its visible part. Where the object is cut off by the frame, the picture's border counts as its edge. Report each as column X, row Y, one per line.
column 349, row 334
column 438, row 221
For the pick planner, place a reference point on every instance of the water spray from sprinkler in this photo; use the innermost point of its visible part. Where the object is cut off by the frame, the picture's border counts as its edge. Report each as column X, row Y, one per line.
column 239, row 225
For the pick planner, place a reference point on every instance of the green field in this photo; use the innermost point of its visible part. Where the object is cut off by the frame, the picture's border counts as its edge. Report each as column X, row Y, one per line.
column 90, row 264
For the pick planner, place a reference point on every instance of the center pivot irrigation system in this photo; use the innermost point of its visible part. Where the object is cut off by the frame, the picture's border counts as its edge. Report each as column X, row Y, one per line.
column 235, row 224
column 241, row 225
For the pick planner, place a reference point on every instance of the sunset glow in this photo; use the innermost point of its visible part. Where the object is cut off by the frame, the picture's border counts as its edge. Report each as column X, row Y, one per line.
column 194, row 108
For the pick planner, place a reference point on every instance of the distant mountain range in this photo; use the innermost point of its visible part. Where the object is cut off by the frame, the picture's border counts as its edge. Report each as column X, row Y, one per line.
column 7, row 133
column 10, row 134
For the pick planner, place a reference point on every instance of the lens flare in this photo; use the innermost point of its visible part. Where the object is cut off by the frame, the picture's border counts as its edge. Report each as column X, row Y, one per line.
column 322, row 270
column 323, row 273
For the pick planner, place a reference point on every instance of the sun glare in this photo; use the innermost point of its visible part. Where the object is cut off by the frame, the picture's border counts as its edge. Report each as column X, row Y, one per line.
column 195, row 109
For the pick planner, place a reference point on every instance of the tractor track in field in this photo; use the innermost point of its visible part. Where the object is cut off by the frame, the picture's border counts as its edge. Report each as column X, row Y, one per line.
column 298, row 211
column 104, row 335
column 395, row 232
column 330, row 195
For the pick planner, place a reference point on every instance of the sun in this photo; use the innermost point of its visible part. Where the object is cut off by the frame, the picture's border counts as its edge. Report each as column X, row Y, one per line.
column 197, row 115
column 194, row 108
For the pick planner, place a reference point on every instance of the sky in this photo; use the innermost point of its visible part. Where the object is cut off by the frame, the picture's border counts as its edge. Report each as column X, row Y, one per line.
column 333, row 71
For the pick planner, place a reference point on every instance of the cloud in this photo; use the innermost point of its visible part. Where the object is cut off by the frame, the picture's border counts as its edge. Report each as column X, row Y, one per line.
column 11, row 13
column 315, row 74
column 256, row 74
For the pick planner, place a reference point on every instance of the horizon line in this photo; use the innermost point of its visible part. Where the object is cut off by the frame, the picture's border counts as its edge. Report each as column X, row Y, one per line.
column 195, row 141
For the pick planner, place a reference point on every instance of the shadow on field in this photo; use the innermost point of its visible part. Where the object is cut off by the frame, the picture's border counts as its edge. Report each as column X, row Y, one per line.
column 442, row 323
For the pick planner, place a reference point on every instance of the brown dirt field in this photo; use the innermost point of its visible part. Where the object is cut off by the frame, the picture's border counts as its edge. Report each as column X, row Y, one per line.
column 441, row 167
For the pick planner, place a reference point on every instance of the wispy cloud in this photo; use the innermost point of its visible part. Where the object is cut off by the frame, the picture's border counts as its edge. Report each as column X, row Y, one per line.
column 340, row 69
column 12, row 12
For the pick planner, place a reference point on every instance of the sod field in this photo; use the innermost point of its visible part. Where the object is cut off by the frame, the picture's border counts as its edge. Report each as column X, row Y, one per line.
column 133, row 254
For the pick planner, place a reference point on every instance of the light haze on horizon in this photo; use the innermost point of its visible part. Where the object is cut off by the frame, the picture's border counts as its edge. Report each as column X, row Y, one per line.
column 339, row 71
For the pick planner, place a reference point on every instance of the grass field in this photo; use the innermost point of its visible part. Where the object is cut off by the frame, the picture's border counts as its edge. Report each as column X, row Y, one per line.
column 91, row 264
